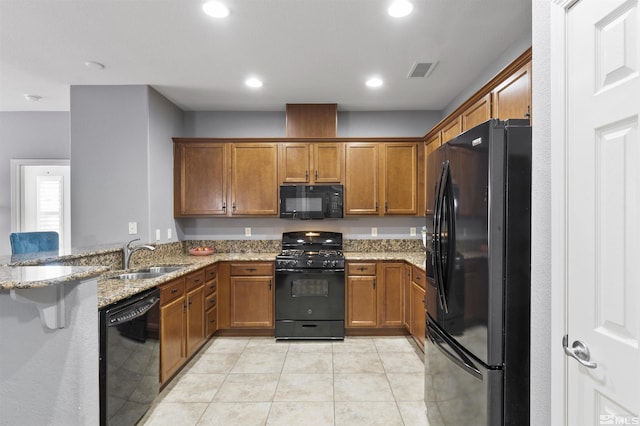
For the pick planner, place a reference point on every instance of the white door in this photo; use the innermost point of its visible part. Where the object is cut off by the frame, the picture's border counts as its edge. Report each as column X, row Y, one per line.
column 602, row 223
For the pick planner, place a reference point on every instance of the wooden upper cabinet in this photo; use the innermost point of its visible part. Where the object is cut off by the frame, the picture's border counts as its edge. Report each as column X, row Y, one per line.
column 512, row 97
column 254, row 179
column 432, row 171
column 312, row 120
column 451, row 130
column 295, row 159
column 361, row 178
column 477, row 113
column 200, row 179
column 400, row 178
column 302, row 162
column 328, row 162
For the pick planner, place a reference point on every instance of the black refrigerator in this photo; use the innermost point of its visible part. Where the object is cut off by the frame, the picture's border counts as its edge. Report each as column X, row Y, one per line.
column 479, row 277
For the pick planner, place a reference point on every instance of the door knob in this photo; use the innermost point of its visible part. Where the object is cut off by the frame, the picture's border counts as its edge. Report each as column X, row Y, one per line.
column 578, row 351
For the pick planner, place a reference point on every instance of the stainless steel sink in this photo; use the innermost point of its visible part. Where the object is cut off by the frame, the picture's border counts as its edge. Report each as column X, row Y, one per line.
column 138, row 275
column 161, row 269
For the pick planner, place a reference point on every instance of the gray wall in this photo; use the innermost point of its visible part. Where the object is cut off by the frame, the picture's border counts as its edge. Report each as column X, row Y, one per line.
column 541, row 345
column 109, row 163
column 165, row 121
column 247, row 124
column 27, row 135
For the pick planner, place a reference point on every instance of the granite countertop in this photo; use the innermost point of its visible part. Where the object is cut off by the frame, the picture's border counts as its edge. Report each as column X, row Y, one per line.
column 22, row 277
column 113, row 290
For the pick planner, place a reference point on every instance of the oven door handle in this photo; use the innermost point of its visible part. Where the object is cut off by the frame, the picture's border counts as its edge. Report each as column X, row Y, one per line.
column 310, row 271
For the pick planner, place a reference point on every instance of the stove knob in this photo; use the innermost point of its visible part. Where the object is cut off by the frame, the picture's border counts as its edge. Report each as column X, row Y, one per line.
column 326, row 263
column 310, row 262
column 334, row 263
column 309, row 311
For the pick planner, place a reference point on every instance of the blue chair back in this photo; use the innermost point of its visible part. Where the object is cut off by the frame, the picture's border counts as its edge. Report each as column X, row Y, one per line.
column 31, row 242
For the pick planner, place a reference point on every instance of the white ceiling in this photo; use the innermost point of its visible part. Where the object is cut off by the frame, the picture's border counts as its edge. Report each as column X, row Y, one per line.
column 306, row 51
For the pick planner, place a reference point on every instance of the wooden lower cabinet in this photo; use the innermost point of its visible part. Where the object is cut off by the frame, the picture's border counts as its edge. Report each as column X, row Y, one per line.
column 172, row 328
column 375, row 294
column 391, row 294
column 417, row 306
column 251, row 295
column 182, row 326
column 211, row 301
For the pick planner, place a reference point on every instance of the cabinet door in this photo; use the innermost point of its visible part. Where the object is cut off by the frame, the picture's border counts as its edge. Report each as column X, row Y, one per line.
column 417, row 314
column 254, row 179
column 477, row 113
column 512, row 97
column 195, row 319
column 391, row 294
column 200, row 179
column 451, row 130
column 328, row 162
column 400, row 178
column 361, row 191
column 294, row 162
column 251, row 301
column 172, row 329
column 432, row 172
column 361, row 301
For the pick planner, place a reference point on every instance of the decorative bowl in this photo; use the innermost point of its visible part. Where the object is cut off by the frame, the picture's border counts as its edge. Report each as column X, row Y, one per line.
column 200, row 251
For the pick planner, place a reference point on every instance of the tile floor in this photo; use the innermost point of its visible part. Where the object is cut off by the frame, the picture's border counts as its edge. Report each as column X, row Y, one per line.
column 258, row 381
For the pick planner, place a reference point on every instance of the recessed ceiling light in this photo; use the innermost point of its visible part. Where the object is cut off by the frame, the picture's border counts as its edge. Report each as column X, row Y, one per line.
column 32, row 98
column 374, row 82
column 253, row 82
column 400, row 8
column 94, row 65
column 215, row 9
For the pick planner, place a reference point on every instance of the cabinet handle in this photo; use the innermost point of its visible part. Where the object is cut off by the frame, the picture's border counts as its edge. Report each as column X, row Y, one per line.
column 250, row 269
column 196, row 281
column 224, row 206
column 269, row 285
column 362, row 268
column 316, row 175
column 174, row 290
column 374, row 283
column 376, row 206
column 233, row 206
column 386, row 206
column 212, row 287
column 528, row 113
column 212, row 321
column 306, row 175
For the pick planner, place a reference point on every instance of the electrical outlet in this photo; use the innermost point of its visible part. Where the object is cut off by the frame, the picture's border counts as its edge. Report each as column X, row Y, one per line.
column 133, row 228
column 169, row 234
column 374, row 232
column 157, row 235
column 412, row 231
column 247, row 232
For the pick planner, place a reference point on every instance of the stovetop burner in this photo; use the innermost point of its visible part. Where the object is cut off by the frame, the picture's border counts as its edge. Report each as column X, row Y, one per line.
column 311, row 250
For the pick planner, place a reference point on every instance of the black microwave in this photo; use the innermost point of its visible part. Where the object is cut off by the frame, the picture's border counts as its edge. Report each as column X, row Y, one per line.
column 311, row 201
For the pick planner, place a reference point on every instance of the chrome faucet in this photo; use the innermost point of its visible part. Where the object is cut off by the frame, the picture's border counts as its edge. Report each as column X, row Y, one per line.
column 128, row 251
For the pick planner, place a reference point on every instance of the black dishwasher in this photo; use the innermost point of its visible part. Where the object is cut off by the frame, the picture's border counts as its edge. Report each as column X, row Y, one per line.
column 129, row 358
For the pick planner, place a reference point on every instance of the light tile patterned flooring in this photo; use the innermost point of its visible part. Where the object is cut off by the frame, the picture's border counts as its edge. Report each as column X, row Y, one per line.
column 258, row 381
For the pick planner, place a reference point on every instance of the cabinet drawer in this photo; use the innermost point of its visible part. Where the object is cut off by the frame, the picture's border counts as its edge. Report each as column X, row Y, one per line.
column 211, row 301
column 172, row 291
column 211, row 273
column 211, row 318
column 252, row 269
column 418, row 276
column 361, row 269
column 195, row 279
column 210, row 287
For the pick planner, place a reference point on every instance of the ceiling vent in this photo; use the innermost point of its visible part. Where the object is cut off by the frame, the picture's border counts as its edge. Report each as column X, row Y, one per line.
column 421, row 69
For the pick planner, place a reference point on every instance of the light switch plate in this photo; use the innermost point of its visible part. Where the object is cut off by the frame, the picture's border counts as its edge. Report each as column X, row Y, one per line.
column 247, row 232
column 169, row 234
column 374, row 232
column 133, row 228
column 157, row 235
column 412, row 231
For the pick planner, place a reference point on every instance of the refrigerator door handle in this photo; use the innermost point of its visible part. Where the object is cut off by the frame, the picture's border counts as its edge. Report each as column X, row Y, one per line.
column 457, row 358
column 439, row 269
